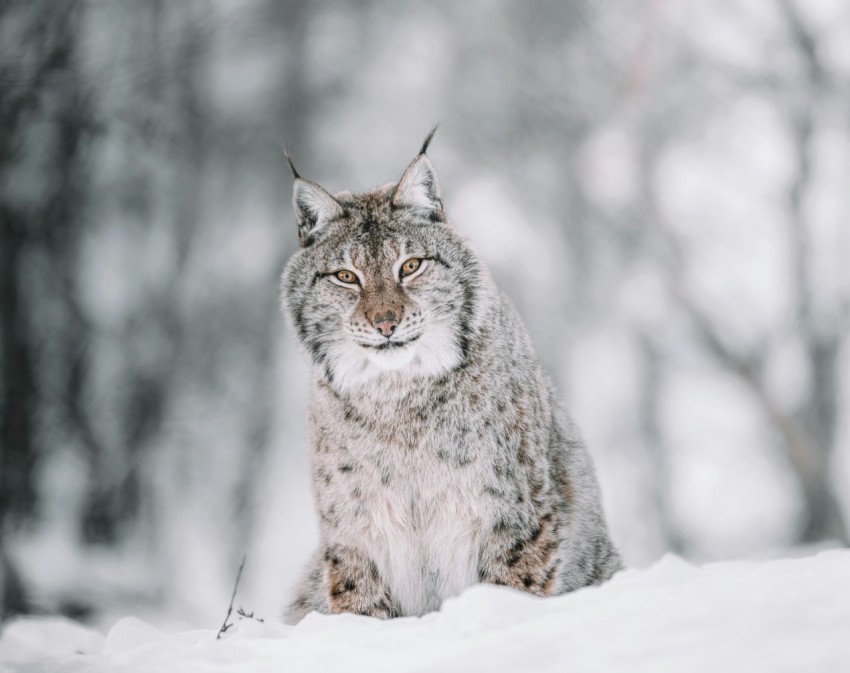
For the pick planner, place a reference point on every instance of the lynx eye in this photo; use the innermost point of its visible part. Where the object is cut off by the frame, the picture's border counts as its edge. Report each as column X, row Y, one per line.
column 346, row 276
column 410, row 266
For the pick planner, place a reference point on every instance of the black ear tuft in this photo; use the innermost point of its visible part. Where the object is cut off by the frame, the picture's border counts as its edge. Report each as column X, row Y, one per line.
column 428, row 138
column 291, row 165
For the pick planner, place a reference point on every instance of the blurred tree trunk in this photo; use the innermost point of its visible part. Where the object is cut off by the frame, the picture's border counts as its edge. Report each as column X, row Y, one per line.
column 824, row 519
column 649, row 150
column 115, row 487
column 46, row 120
column 294, row 109
column 822, row 338
column 17, row 434
column 657, row 450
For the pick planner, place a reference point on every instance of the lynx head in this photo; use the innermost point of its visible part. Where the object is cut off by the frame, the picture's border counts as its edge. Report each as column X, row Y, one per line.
column 383, row 287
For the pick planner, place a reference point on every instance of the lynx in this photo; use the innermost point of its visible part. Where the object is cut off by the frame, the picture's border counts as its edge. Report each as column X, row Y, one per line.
column 439, row 455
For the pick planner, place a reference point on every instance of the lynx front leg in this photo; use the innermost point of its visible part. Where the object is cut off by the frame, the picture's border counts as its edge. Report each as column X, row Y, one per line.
column 354, row 584
column 521, row 557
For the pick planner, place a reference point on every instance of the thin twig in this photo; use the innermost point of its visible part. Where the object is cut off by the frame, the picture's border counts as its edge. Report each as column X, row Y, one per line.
column 249, row 615
column 225, row 625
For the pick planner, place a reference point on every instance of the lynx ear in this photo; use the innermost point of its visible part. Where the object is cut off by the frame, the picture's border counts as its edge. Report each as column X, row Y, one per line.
column 312, row 204
column 418, row 187
column 314, row 208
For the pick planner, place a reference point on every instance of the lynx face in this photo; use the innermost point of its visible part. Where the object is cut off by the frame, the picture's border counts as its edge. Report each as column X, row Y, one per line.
column 382, row 287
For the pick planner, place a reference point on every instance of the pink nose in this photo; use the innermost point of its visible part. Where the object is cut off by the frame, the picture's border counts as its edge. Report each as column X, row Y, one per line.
column 386, row 324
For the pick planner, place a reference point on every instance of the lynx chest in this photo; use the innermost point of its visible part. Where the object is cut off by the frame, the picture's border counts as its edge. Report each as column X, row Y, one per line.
column 404, row 502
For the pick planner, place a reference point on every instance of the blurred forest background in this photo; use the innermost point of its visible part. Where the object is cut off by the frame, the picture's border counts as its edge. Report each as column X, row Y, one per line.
column 663, row 188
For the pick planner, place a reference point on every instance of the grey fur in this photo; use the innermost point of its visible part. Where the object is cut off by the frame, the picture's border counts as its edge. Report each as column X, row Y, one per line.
column 443, row 462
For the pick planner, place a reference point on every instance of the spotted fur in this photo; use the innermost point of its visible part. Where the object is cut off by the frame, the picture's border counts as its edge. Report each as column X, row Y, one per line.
column 439, row 455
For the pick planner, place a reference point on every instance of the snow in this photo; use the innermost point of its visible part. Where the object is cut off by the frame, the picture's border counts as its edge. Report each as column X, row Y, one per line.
column 781, row 615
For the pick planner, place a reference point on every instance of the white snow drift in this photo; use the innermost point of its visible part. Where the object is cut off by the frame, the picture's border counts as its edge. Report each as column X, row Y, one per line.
column 785, row 615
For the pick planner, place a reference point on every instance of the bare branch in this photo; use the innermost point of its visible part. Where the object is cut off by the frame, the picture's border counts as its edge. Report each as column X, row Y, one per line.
column 805, row 41
column 802, row 449
column 226, row 625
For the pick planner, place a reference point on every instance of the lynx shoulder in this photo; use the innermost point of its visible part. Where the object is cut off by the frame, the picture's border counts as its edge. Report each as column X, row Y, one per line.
column 439, row 455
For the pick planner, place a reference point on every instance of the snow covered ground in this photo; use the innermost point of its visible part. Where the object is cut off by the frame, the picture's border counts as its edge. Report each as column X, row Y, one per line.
column 783, row 615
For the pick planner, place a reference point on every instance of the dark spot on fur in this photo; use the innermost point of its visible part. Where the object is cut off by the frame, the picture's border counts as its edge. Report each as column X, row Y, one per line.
column 548, row 580
column 349, row 585
column 351, row 414
column 436, row 214
column 464, row 459
column 333, row 559
column 499, row 469
column 514, row 554
column 346, row 467
column 523, row 453
column 527, row 581
column 464, row 334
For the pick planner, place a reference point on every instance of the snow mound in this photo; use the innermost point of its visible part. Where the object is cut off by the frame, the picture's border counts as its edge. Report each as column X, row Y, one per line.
column 785, row 615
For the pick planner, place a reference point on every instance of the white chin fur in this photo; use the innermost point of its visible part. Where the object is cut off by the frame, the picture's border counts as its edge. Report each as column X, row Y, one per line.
column 433, row 354
column 392, row 359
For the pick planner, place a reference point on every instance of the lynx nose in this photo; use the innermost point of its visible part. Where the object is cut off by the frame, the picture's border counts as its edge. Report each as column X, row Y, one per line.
column 386, row 323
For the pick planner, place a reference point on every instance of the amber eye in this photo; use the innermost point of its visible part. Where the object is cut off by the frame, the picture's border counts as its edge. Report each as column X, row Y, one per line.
column 346, row 276
column 410, row 266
